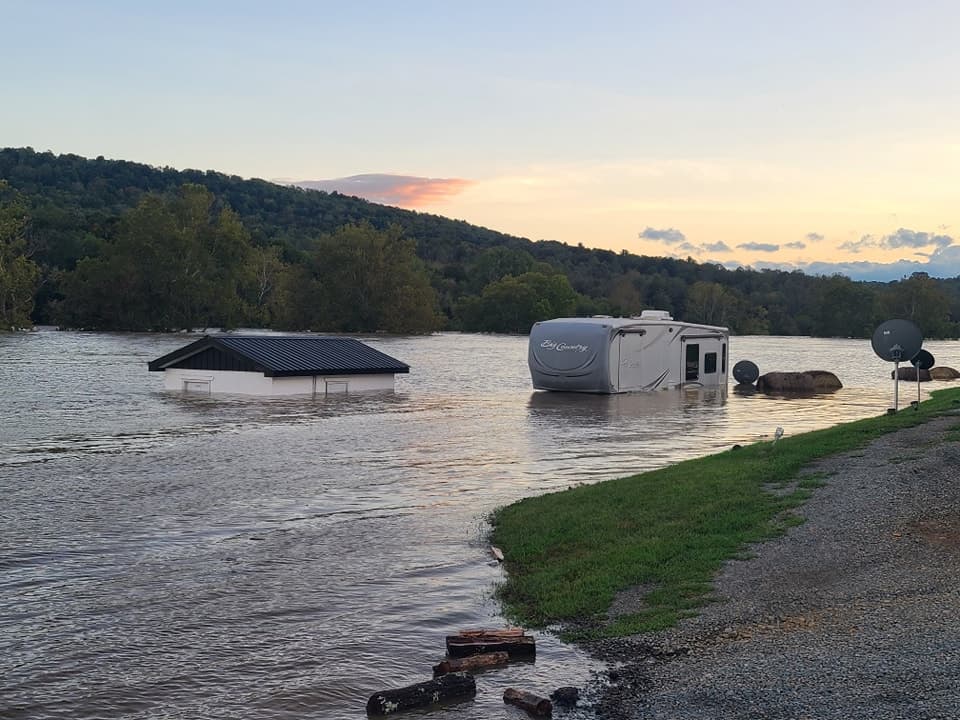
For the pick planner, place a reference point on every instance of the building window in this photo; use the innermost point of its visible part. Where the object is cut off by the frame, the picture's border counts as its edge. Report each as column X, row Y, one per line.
column 197, row 386
column 336, row 387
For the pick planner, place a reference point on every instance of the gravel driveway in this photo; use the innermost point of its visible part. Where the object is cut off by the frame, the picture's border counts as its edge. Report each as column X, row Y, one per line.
column 853, row 614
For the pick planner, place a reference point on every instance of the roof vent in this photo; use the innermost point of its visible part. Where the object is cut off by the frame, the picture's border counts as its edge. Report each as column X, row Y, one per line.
column 655, row 315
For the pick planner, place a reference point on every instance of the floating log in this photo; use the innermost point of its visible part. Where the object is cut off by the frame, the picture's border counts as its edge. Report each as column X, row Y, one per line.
column 492, row 632
column 471, row 662
column 441, row 689
column 533, row 704
column 497, row 553
column 474, row 642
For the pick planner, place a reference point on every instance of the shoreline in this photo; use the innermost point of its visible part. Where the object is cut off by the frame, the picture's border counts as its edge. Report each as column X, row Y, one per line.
column 852, row 614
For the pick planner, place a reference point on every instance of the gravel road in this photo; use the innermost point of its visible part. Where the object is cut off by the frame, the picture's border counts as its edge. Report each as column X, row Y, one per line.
column 853, row 614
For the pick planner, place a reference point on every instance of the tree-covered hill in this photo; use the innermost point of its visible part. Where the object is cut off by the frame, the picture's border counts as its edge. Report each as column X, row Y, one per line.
column 70, row 191
column 119, row 245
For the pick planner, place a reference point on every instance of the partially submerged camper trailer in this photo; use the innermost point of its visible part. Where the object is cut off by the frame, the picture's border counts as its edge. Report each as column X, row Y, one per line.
column 615, row 355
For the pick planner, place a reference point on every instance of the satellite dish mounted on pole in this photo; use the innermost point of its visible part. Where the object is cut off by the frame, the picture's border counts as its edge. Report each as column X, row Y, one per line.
column 746, row 372
column 897, row 341
column 923, row 360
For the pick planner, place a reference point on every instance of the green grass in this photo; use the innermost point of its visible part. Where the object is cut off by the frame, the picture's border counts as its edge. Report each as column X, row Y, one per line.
column 569, row 553
column 813, row 480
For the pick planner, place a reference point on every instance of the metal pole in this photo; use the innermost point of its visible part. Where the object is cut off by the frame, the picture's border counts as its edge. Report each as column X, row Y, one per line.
column 918, row 387
column 896, row 385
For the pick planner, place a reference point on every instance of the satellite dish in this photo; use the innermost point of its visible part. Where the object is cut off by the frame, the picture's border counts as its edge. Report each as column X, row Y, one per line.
column 745, row 372
column 923, row 360
column 897, row 340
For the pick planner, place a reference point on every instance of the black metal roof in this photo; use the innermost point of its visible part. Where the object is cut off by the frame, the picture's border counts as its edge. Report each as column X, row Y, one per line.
column 285, row 355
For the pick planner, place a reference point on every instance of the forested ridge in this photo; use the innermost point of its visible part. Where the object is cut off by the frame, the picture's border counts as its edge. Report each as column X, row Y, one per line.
column 117, row 245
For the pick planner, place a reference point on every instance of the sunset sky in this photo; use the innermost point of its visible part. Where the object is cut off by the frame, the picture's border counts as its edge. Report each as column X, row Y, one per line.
column 818, row 135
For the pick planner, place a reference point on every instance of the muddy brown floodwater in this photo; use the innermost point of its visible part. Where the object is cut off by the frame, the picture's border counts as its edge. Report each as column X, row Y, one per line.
column 193, row 557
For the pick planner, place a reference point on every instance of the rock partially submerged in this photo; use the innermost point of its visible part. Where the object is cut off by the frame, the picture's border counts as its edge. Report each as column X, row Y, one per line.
column 785, row 382
column 910, row 373
column 566, row 696
column 824, row 381
column 944, row 373
column 809, row 381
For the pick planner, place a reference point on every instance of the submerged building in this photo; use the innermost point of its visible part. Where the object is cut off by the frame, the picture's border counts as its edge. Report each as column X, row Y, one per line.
column 274, row 365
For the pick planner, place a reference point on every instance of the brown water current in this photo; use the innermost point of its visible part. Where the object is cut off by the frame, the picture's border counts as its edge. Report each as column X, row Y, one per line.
column 195, row 557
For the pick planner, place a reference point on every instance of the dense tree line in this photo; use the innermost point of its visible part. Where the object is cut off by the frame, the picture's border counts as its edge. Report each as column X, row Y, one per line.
column 185, row 261
column 118, row 245
column 19, row 275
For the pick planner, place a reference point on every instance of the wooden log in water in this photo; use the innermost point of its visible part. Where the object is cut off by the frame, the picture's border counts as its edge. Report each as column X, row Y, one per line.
column 471, row 662
column 474, row 643
column 533, row 704
column 491, row 632
column 444, row 688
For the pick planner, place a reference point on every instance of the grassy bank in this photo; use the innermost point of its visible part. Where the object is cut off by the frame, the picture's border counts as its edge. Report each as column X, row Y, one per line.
column 667, row 531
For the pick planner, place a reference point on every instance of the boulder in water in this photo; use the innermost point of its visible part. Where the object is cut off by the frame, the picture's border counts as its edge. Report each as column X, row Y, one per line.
column 910, row 373
column 786, row 382
column 824, row 380
column 944, row 373
column 808, row 381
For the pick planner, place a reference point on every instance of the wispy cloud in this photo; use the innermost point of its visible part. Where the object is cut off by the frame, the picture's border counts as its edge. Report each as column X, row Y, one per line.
column 942, row 263
column 855, row 246
column 758, row 247
column 812, row 237
column 687, row 248
column 797, row 245
column 902, row 238
column 679, row 243
column 668, row 236
column 719, row 246
column 912, row 239
column 407, row 191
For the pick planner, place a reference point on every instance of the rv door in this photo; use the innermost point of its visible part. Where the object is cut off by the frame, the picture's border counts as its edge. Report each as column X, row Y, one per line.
column 630, row 368
column 704, row 361
column 691, row 363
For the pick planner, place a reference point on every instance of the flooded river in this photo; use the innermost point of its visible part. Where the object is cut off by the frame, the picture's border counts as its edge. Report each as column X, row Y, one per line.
column 190, row 557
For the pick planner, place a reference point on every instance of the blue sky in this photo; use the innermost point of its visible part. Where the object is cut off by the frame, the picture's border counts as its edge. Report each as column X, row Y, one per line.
column 799, row 135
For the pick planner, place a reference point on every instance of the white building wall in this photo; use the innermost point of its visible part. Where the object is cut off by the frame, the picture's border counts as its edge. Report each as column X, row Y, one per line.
column 331, row 384
column 253, row 383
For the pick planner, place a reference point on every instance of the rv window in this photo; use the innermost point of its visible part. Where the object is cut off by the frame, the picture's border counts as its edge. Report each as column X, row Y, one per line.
column 693, row 362
column 709, row 363
column 723, row 359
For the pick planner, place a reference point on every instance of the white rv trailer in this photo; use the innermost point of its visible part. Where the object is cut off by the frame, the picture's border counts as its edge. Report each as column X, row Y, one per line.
column 603, row 354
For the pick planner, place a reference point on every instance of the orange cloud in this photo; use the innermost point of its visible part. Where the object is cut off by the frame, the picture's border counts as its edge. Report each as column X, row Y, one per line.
column 406, row 191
